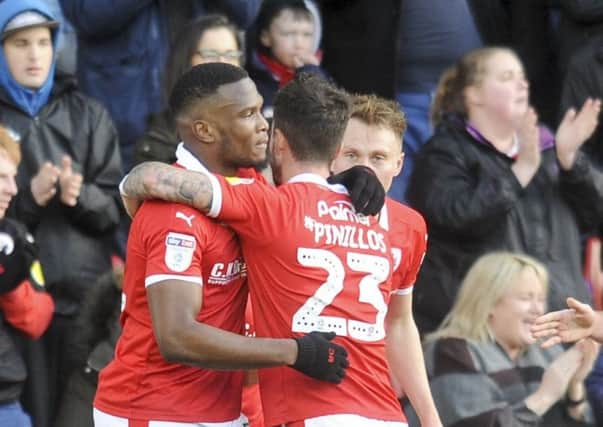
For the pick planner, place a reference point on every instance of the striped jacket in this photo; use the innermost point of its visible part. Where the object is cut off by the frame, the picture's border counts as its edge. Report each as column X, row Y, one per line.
column 477, row 385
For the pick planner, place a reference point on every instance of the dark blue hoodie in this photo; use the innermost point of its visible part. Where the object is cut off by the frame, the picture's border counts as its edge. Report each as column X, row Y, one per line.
column 30, row 101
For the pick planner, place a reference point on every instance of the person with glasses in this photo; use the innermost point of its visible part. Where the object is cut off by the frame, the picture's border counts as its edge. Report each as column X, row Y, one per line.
column 282, row 43
column 210, row 38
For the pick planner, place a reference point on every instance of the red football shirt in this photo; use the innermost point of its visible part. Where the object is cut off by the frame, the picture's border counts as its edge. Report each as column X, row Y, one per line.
column 314, row 265
column 172, row 241
column 407, row 234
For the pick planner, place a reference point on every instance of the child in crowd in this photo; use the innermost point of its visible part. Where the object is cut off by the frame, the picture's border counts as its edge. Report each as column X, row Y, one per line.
column 281, row 44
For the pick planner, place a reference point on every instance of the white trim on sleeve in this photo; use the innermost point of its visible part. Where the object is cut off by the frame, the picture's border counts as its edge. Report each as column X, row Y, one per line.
column 216, row 200
column 156, row 278
column 405, row 291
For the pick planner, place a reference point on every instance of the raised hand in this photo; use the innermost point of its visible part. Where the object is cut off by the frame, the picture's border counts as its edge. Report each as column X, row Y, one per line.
column 569, row 325
column 366, row 191
column 43, row 184
column 574, row 130
column 70, row 182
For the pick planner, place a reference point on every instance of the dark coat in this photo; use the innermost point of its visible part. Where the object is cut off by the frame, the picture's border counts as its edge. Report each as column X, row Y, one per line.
column 72, row 240
column 473, row 204
column 360, row 40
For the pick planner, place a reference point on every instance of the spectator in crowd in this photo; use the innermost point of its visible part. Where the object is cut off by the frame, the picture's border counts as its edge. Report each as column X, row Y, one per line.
column 484, row 365
column 24, row 306
column 281, row 43
column 534, row 38
column 123, row 48
column 286, row 276
column 92, row 346
column 584, row 79
column 580, row 22
column 491, row 179
column 373, row 138
column 210, row 38
column 70, row 170
column 399, row 50
column 185, row 282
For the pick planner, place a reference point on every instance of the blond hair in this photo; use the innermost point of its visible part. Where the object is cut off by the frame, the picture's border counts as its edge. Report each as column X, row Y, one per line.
column 488, row 279
column 449, row 96
column 376, row 111
column 9, row 147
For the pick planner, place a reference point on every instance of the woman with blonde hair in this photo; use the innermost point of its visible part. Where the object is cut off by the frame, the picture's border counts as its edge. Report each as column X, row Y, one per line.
column 484, row 366
column 492, row 179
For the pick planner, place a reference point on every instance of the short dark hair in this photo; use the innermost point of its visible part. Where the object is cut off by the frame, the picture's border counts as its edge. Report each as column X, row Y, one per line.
column 312, row 113
column 186, row 43
column 201, row 82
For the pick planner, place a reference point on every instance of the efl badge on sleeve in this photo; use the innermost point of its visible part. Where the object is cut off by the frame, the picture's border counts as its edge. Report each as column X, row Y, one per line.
column 179, row 249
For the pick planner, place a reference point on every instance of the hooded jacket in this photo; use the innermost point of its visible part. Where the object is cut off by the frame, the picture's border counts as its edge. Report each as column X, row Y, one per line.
column 73, row 241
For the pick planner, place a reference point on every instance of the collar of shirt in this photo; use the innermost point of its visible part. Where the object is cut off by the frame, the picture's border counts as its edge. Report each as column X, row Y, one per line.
column 188, row 160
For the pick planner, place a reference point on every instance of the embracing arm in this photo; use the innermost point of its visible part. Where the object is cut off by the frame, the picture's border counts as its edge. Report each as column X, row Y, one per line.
column 155, row 180
column 182, row 339
column 174, row 305
column 405, row 358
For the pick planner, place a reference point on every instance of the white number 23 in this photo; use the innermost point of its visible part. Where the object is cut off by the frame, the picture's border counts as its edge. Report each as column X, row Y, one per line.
column 307, row 318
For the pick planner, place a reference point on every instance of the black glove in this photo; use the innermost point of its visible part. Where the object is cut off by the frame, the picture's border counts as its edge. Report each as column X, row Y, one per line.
column 320, row 358
column 366, row 191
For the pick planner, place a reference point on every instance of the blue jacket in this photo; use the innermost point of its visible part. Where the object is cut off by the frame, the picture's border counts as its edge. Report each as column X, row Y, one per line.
column 122, row 48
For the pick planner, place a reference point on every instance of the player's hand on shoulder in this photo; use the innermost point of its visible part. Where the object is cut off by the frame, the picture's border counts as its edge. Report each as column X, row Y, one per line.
column 319, row 357
column 366, row 191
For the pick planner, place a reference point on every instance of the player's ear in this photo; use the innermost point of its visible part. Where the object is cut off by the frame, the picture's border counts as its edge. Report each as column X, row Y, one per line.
column 399, row 164
column 204, row 131
column 280, row 144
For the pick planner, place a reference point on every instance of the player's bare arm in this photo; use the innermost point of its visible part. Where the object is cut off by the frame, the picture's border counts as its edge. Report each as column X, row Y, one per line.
column 577, row 322
column 155, row 180
column 408, row 366
column 174, row 305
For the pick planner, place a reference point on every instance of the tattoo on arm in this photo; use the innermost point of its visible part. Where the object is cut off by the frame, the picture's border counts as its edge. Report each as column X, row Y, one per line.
column 154, row 180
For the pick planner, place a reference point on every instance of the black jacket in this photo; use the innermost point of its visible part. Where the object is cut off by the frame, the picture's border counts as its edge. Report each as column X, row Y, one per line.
column 360, row 40
column 72, row 240
column 473, row 204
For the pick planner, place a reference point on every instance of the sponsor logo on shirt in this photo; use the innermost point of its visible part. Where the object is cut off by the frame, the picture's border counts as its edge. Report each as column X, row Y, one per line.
column 340, row 210
column 223, row 274
column 187, row 219
column 179, row 249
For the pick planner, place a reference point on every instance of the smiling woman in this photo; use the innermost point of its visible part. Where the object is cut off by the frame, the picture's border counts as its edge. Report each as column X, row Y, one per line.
column 484, row 366
column 491, row 178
